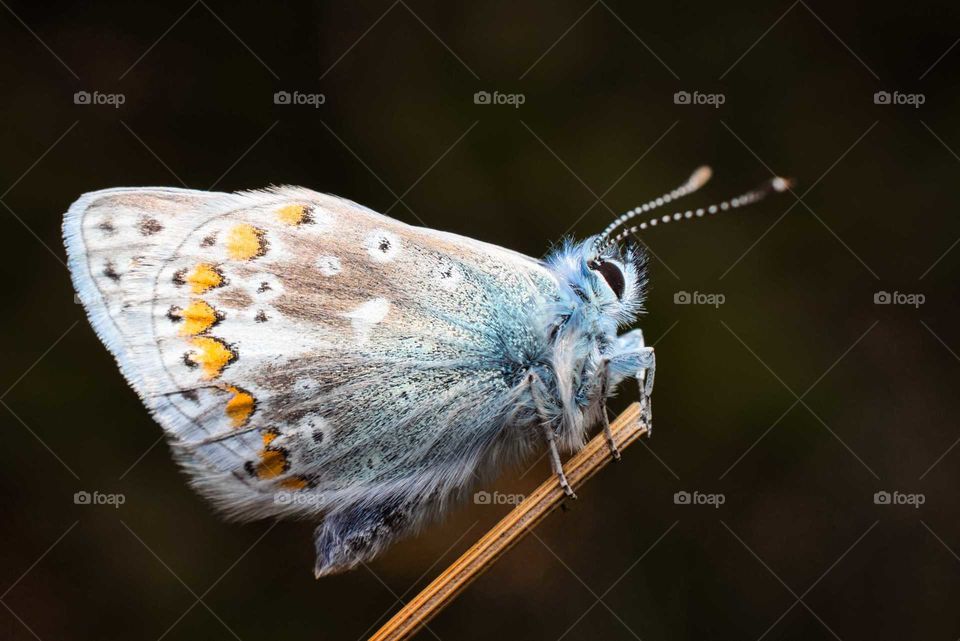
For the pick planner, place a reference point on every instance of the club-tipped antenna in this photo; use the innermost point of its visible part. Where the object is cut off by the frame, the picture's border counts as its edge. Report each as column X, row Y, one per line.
column 697, row 179
column 776, row 184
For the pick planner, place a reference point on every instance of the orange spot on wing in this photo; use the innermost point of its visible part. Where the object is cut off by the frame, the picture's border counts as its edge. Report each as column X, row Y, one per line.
column 245, row 242
column 198, row 317
column 240, row 406
column 204, row 277
column 293, row 214
column 212, row 355
column 293, row 483
column 272, row 464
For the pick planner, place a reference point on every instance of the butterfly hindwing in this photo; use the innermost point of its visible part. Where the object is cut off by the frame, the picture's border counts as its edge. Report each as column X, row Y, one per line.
column 305, row 354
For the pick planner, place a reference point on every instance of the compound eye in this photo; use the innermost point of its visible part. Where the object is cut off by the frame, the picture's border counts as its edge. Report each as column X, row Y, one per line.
column 612, row 274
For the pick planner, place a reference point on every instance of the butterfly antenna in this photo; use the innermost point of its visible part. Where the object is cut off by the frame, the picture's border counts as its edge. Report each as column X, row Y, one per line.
column 773, row 185
column 696, row 180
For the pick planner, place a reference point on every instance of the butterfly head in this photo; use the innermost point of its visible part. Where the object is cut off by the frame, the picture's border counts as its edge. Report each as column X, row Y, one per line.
column 611, row 279
column 620, row 272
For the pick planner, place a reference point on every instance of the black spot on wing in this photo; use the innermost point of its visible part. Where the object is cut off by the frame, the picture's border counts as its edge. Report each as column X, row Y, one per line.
column 110, row 271
column 150, row 226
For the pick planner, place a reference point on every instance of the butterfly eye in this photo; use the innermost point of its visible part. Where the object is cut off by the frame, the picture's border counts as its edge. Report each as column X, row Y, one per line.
column 612, row 274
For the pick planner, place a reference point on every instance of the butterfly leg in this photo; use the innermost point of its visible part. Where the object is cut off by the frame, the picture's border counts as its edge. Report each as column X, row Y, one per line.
column 633, row 358
column 535, row 386
column 604, row 388
column 555, row 463
column 645, row 381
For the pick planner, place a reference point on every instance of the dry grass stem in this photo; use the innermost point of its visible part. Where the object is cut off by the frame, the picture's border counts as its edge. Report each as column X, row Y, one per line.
column 505, row 534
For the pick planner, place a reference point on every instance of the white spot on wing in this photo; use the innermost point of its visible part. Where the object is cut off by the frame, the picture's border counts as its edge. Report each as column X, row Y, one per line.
column 366, row 316
column 447, row 276
column 318, row 430
column 265, row 287
column 306, row 387
column 329, row 265
column 322, row 222
column 382, row 245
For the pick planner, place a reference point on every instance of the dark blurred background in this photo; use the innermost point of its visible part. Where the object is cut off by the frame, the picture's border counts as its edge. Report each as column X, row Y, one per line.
column 794, row 401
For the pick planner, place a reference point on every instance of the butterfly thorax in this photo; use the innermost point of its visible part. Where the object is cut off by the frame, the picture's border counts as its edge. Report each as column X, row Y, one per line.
column 596, row 295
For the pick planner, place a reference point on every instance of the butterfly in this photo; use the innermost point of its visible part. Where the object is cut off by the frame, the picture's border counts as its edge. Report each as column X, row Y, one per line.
column 307, row 356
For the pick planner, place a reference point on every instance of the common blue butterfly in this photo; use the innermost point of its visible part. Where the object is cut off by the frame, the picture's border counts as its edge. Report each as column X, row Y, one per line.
column 307, row 356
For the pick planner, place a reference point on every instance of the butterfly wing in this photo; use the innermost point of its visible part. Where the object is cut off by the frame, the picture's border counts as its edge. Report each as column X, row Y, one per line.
column 305, row 354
